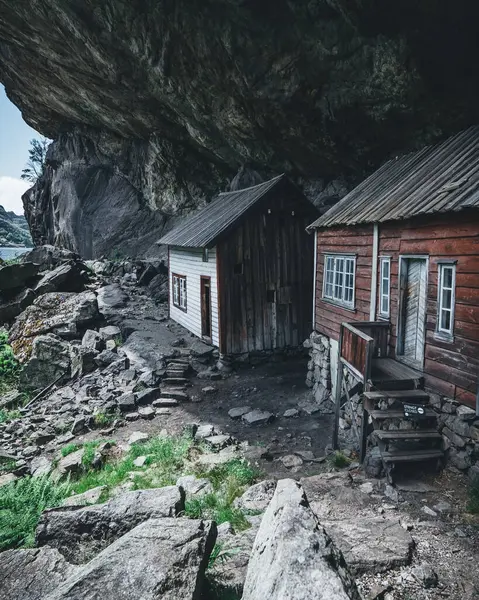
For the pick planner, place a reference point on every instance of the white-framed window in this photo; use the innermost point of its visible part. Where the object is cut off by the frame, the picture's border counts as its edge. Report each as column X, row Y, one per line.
column 339, row 277
column 446, row 298
column 179, row 291
column 385, row 287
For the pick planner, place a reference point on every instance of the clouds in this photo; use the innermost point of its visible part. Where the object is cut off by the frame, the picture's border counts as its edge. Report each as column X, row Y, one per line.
column 11, row 190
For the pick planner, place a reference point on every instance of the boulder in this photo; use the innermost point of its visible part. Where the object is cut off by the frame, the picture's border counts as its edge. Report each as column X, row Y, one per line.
column 238, row 412
column 48, row 257
column 93, row 340
column 12, row 306
column 70, row 463
column 110, row 299
column 371, row 544
column 67, row 277
column 65, row 314
column 162, row 558
column 89, row 497
column 111, row 332
column 158, row 287
column 293, row 558
column 80, row 533
column 40, row 466
column 257, row 497
column 32, row 574
column 49, row 359
column 17, row 275
column 194, row 487
column 126, row 402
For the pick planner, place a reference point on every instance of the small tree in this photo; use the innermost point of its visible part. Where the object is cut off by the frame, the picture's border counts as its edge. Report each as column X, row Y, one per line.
column 36, row 160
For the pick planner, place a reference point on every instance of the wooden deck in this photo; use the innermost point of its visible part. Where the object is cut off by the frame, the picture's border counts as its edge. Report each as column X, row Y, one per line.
column 387, row 373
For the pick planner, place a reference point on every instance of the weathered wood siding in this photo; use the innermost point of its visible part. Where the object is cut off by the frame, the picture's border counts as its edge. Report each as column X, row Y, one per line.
column 452, row 368
column 277, row 257
column 335, row 240
column 189, row 262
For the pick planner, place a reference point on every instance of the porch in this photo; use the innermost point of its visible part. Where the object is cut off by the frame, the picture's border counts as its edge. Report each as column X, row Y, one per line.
column 391, row 392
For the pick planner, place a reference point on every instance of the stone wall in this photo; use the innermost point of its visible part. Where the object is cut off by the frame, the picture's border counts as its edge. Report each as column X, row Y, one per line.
column 457, row 423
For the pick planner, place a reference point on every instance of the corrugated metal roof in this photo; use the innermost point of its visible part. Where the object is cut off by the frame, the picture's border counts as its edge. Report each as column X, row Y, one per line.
column 202, row 228
column 437, row 179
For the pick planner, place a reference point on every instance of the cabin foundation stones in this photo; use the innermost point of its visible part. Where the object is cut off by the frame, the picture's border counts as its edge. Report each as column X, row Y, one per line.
column 319, row 366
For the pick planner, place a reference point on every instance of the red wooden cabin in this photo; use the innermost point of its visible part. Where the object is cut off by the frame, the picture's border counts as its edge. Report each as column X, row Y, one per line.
column 399, row 258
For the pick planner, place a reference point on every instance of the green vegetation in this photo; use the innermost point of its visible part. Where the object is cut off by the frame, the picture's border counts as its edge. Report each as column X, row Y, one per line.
column 339, row 460
column 9, row 366
column 167, row 458
column 473, row 497
column 13, row 230
column 102, row 419
column 69, row 449
column 22, row 503
column 36, row 160
column 9, row 415
column 6, row 465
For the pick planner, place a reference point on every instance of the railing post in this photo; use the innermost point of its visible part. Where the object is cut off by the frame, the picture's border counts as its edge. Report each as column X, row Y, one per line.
column 337, row 392
column 366, row 387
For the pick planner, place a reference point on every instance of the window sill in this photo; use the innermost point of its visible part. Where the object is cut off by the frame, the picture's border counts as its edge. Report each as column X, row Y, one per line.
column 384, row 318
column 443, row 337
column 339, row 305
column 180, row 308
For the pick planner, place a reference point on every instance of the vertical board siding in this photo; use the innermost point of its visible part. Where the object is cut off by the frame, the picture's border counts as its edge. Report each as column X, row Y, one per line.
column 277, row 256
column 189, row 262
column 344, row 240
column 450, row 367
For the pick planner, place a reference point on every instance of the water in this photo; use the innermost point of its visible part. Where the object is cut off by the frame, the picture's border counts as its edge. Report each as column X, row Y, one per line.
column 8, row 253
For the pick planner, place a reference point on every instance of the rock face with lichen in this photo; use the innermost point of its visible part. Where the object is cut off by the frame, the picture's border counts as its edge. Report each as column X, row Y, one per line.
column 154, row 106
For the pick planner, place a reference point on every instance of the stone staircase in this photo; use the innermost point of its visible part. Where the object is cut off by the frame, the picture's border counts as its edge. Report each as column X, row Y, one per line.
column 174, row 386
column 404, row 427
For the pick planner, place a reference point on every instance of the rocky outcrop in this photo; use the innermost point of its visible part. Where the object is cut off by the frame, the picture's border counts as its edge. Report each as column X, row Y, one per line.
column 81, row 533
column 13, row 229
column 152, row 110
column 293, row 557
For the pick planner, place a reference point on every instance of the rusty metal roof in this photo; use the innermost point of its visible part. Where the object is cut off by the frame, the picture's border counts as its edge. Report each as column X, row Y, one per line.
column 437, row 179
column 203, row 228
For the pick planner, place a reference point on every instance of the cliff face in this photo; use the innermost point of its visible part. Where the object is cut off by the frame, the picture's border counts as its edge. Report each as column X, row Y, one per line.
column 154, row 105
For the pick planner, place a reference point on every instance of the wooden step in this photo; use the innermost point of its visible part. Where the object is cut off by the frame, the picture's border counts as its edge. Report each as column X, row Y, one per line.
column 399, row 414
column 180, row 362
column 414, row 396
column 176, row 381
column 396, row 456
column 417, row 434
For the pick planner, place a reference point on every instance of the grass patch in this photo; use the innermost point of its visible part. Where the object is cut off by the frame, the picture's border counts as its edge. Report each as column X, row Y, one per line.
column 102, row 419
column 7, row 465
column 9, row 366
column 473, row 497
column 339, row 460
column 21, row 504
column 69, row 449
column 9, row 415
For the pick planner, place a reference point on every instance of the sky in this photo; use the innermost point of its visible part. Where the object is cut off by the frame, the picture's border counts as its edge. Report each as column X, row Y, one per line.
column 15, row 136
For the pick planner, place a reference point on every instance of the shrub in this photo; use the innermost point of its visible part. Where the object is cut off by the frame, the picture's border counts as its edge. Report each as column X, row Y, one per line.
column 9, row 415
column 102, row 419
column 9, row 366
column 69, row 448
column 21, row 504
column 339, row 460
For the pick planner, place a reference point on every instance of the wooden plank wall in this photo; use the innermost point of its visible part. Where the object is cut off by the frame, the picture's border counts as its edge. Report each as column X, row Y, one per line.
column 358, row 240
column 452, row 368
column 189, row 262
column 276, row 254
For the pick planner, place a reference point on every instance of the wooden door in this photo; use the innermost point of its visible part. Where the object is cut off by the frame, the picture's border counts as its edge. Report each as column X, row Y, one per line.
column 413, row 311
column 206, row 307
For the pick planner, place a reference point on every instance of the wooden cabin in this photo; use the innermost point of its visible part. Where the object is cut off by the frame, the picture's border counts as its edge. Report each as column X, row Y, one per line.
column 241, row 269
column 398, row 260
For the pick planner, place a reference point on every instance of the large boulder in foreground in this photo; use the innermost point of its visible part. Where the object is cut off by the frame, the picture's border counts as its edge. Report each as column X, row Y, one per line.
column 32, row 574
column 64, row 314
column 293, row 557
column 80, row 533
column 161, row 559
column 67, row 277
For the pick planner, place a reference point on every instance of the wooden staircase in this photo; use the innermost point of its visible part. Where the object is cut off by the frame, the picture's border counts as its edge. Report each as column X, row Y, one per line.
column 403, row 436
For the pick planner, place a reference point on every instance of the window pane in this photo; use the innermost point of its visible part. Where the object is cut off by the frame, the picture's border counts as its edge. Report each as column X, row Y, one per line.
column 446, row 298
column 447, row 277
column 386, row 269
column 446, row 320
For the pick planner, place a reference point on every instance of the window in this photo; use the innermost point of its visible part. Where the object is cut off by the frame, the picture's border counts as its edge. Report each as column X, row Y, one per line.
column 179, row 291
column 385, row 287
column 445, row 299
column 338, row 286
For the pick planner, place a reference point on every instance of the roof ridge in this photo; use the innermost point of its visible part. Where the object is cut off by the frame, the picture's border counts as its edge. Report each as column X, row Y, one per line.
column 251, row 187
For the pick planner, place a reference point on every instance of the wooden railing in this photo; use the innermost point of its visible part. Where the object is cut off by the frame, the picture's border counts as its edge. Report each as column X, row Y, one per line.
column 359, row 343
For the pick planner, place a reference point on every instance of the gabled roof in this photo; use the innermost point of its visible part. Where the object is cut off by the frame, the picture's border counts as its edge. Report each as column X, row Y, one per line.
column 203, row 228
column 437, row 179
